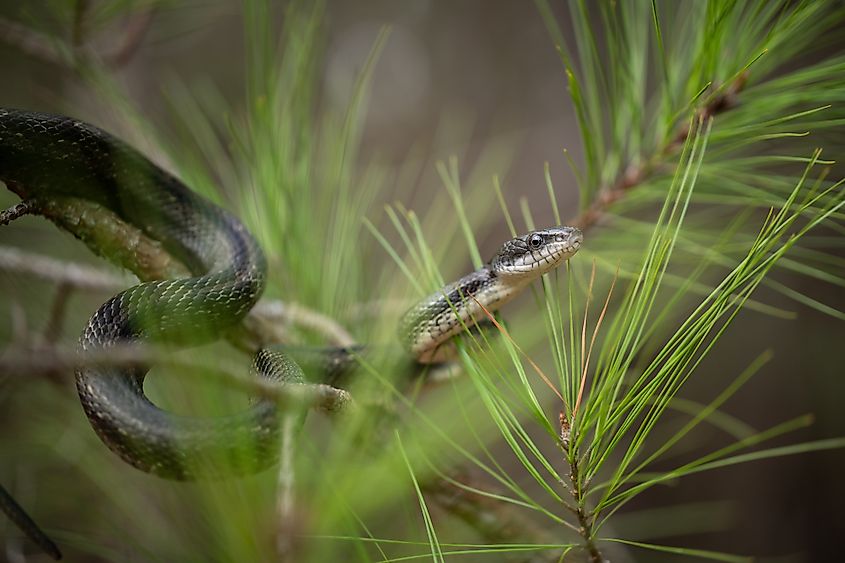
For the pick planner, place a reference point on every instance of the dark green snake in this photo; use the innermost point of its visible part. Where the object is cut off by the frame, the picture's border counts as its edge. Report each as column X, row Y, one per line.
column 54, row 157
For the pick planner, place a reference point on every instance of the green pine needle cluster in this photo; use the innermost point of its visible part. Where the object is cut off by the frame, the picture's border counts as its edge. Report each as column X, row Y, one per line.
column 702, row 181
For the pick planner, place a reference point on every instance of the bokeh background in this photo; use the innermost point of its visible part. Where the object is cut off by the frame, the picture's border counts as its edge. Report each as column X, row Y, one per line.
column 468, row 79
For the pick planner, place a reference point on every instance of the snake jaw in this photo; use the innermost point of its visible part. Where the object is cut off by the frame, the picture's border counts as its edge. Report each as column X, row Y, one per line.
column 537, row 252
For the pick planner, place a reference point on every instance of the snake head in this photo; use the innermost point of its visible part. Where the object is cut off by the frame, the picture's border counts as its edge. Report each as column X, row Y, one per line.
column 537, row 252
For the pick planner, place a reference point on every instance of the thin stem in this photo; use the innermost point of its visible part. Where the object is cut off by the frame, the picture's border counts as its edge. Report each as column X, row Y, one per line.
column 60, row 272
column 47, row 360
column 306, row 318
column 285, row 536
column 78, row 31
column 585, row 525
column 31, row 42
column 265, row 322
column 133, row 35
column 53, row 328
column 18, row 210
column 46, row 47
column 27, row 525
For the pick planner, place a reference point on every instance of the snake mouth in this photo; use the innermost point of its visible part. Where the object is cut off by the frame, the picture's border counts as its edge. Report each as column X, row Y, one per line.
column 569, row 239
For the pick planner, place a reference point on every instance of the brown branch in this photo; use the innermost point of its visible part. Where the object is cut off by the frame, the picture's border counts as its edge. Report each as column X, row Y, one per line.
column 127, row 246
column 19, row 323
column 60, row 272
column 585, row 525
column 637, row 173
column 79, row 28
column 50, row 360
column 287, row 531
column 133, row 35
column 51, row 49
column 33, row 43
column 267, row 317
column 124, row 244
column 15, row 212
column 53, row 328
column 479, row 511
column 306, row 318
column 27, row 525
column 106, row 235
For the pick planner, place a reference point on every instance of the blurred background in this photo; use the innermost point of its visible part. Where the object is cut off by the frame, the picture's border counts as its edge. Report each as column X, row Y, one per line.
column 479, row 80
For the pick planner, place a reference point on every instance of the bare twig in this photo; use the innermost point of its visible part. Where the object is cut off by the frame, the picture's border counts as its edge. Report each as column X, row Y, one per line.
column 20, row 328
column 33, row 43
column 305, row 318
column 106, row 235
column 377, row 308
column 584, row 522
column 18, row 210
column 475, row 509
column 286, row 527
column 53, row 328
column 47, row 360
column 133, row 35
column 80, row 12
column 59, row 271
column 51, row 49
column 26, row 524
column 266, row 316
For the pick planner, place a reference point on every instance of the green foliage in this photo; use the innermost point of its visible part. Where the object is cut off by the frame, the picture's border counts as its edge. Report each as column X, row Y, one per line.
column 698, row 113
column 738, row 155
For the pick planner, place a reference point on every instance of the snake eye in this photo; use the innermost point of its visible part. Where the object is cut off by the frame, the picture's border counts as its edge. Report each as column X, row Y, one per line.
column 535, row 241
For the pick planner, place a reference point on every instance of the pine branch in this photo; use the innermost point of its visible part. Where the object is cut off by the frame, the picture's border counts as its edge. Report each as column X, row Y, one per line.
column 15, row 212
column 637, row 174
column 584, row 522
column 128, row 247
column 37, row 360
column 50, row 49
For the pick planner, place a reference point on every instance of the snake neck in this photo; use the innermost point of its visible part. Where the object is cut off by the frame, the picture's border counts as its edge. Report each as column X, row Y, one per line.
column 428, row 326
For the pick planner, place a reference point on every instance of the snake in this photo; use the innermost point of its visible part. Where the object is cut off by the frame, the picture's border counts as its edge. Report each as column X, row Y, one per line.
column 55, row 157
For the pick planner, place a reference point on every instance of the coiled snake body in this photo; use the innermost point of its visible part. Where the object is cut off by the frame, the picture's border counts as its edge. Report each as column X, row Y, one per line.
column 52, row 157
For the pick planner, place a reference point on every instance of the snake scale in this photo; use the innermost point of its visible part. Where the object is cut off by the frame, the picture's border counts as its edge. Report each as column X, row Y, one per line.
column 55, row 157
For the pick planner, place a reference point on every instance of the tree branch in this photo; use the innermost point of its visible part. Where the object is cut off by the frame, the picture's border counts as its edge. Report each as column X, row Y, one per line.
column 60, row 272
column 47, row 360
column 53, row 329
column 33, row 43
column 585, row 525
column 16, row 211
column 637, row 174
column 306, row 318
column 266, row 315
column 286, row 527
column 27, row 525
column 133, row 35
column 50, row 49
column 127, row 246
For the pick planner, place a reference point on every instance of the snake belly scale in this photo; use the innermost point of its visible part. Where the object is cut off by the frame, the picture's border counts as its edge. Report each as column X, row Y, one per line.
column 54, row 157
